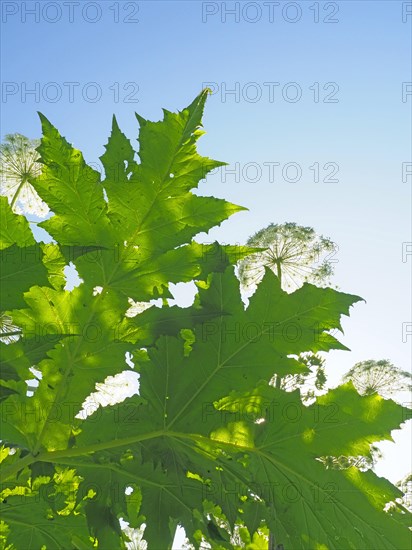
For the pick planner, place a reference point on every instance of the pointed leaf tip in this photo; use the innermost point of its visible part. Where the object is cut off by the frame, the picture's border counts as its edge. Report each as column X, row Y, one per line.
column 142, row 121
column 43, row 119
column 115, row 125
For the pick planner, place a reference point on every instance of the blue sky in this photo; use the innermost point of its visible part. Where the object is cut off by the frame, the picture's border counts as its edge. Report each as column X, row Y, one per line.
column 305, row 92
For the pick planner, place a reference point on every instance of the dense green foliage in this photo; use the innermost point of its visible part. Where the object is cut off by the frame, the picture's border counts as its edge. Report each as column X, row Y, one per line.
column 207, row 443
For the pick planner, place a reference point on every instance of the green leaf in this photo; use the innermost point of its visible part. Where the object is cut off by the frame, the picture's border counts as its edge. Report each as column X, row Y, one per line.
column 20, row 269
column 311, row 506
column 34, row 526
column 241, row 347
column 16, row 360
column 14, row 229
column 88, row 352
column 73, row 192
column 207, row 442
column 150, row 203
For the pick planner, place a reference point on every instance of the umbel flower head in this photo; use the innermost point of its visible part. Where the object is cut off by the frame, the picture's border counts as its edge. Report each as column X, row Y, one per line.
column 296, row 254
column 8, row 331
column 381, row 377
column 18, row 165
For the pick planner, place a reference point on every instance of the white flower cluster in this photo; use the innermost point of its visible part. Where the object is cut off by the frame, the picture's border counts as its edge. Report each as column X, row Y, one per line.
column 18, row 164
column 8, row 331
column 136, row 538
column 296, row 254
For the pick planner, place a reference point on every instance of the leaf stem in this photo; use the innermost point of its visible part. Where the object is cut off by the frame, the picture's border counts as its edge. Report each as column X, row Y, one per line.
column 12, row 470
column 54, row 456
column 49, row 456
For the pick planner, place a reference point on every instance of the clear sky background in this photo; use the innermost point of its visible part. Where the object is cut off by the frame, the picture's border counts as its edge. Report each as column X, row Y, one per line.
column 312, row 82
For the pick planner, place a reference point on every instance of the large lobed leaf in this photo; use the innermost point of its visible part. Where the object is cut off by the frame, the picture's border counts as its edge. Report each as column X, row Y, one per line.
column 196, row 416
column 208, row 443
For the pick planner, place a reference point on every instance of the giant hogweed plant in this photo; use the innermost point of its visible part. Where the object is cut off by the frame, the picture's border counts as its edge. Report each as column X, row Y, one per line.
column 207, row 442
